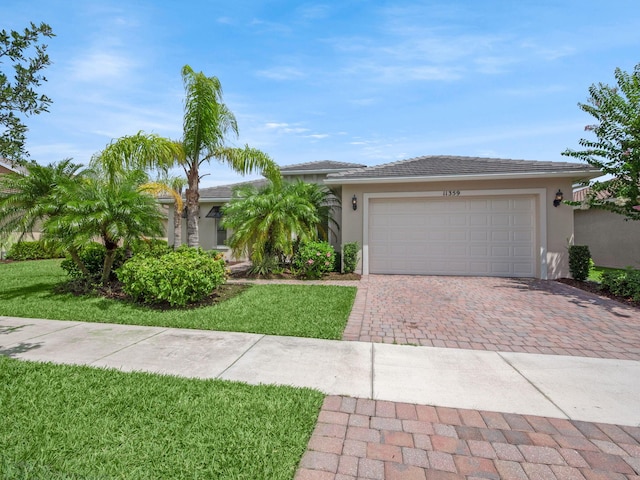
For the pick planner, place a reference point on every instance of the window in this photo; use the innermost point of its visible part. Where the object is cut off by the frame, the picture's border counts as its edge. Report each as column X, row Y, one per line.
column 221, row 232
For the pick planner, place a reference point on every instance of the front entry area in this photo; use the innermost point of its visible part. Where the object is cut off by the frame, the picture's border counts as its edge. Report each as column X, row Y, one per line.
column 476, row 236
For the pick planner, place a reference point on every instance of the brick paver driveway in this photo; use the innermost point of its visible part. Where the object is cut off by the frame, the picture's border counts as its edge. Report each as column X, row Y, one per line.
column 504, row 314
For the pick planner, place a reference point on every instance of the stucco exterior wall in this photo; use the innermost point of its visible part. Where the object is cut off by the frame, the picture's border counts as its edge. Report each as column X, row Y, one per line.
column 556, row 232
column 611, row 241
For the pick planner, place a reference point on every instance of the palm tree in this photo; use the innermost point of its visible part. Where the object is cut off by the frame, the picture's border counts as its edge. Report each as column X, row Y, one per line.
column 28, row 201
column 267, row 222
column 206, row 124
column 172, row 186
column 207, row 121
column 117, row 212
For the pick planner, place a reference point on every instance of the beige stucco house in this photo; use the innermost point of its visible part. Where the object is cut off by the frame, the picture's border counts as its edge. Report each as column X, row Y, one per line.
column 439, row 215
column 612, row 241
column 213, row 236
column 446, row 215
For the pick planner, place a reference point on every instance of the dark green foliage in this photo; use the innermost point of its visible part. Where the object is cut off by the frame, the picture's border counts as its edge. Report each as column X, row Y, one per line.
column 153, row 247
column 625, row 283
column 314, row 259
column 579, row 262
column 37, row 250
column 92, row 255
column 616, row 149
column 18, row 96
column 350, row 256
column 187, row 275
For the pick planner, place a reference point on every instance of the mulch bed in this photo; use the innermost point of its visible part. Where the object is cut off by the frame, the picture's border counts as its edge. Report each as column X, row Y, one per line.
column 595, row 288
column 287, row 275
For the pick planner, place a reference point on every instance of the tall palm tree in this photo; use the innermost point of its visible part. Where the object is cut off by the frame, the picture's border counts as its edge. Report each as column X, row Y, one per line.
column 268, row 221
column 206, row 124
column 207, row 121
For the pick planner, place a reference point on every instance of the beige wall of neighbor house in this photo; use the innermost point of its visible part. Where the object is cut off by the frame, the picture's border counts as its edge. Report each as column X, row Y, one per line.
column 612, row 241
column 553, row 225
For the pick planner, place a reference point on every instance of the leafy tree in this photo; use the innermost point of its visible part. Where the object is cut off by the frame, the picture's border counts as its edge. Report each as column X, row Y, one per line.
column 267, row 222
column 18, row 95
column 616, row 149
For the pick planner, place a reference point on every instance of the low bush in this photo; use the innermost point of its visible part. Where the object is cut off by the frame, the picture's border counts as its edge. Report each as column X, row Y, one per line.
column 150, row 246
column 187, row 275
column 314, row 259
column 92, row 255
column 350, row 256
column 579, row 262
column 36, row 250
column 623, row 283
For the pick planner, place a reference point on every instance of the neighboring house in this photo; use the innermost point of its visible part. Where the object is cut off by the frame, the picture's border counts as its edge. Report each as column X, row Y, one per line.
column 447, row 215
column 6, row 166
column 213, row 236
column 612, row 241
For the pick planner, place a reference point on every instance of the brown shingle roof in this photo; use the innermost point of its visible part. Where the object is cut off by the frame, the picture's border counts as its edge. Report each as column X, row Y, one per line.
column 445, row 166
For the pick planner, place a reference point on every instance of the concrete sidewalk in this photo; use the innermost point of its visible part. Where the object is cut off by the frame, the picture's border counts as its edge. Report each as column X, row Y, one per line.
column 577, row 388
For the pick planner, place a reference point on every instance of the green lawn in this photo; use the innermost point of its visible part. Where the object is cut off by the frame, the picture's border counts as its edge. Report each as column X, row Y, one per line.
column 71, row 422
column 26, row 290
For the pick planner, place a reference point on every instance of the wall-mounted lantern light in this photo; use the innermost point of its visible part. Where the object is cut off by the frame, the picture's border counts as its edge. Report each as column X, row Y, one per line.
column 354, row 202
column 559, row 197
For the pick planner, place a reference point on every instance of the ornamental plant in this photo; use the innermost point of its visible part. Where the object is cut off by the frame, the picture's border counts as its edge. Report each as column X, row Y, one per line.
column 187, row 275
column 350, row 256
column 579, row 262
column 314, row 259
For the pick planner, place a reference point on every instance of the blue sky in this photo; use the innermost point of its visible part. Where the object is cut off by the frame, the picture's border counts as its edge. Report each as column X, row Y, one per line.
column 358, row 81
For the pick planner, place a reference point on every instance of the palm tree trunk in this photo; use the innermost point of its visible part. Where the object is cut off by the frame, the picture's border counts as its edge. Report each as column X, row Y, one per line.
column 108, row 264
column 177, row 226
column 78, row 261
column 193, row 239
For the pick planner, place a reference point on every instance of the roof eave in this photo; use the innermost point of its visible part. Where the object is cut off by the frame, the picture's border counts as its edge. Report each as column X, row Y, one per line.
column 583, row 175
column 315, row 172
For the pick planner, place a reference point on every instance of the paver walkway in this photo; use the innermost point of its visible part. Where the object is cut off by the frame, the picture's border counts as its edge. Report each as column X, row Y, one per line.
column 499, row 314
column 367, row 439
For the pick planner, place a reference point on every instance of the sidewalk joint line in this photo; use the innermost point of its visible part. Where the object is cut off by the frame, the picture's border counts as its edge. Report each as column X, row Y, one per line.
column 534, row 386
column 373, row 373
column 241, row 356
column 130, row 345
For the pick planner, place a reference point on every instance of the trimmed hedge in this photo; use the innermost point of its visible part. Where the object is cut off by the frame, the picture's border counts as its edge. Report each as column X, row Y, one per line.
column 350, row 256
column 187, row 275
column 624, row 283
column 579, row 262
column 36, row 250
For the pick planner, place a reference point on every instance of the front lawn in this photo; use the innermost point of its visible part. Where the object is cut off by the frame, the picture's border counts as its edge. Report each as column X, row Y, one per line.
column 316, row 311
column 71, row 422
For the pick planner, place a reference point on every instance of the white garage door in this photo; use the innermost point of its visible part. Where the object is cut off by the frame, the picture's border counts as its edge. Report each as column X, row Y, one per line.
column 461, row 236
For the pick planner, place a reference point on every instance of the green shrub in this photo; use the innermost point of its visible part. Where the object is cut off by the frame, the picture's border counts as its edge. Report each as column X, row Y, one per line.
column 623, row 283
column 36, row 250
column 579, row 262
column 92, row 255
column 181, row 277
column 350, row 256
column 150, row 246
column 314, row 259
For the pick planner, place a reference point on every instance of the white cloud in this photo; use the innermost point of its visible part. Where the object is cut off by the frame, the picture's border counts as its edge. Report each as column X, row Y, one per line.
column 101, row 67
column 318, row 136
column 285, row 128
column 281, row 73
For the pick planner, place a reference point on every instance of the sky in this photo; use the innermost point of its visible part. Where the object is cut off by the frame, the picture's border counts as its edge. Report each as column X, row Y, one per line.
column 359, row 81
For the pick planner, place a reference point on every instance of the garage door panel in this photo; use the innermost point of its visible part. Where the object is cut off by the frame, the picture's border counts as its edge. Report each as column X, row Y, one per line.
column 454, row 236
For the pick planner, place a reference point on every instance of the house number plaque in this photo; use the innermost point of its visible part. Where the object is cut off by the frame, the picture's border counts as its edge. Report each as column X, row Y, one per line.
column 451, row 193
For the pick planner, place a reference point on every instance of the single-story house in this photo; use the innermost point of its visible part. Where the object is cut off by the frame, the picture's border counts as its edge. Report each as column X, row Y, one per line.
column 612, row 240
column 440, row 215
column 213, row 236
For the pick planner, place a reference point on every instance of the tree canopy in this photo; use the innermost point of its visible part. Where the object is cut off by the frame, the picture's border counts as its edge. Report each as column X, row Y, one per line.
column 616, row 148
column 18, row 96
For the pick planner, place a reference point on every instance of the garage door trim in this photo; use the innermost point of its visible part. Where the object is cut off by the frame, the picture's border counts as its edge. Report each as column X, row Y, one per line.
column 541, row 216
